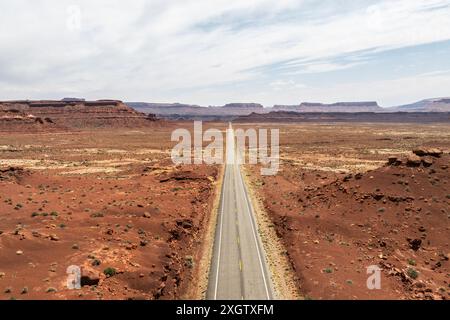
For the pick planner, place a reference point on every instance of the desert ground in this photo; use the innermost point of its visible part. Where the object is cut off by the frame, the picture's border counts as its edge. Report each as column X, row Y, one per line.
column 109, row 201
column 338, row 207
column 112, row 202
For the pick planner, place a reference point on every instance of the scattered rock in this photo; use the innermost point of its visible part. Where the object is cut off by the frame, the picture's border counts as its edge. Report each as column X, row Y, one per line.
column 434, row 152
column 147, row 215
column 185, row 224
column 415, row 244
column 131, row 246
column 427, row 162
column 413, row 161
column 96, row 262
column 348, row 177
column 89, row 277
column 394, row 161
column 378, row 196
column 143, row 243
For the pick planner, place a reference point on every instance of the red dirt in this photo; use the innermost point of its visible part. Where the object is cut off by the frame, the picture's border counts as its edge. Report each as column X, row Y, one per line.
column 335, row 225
column 146, row 218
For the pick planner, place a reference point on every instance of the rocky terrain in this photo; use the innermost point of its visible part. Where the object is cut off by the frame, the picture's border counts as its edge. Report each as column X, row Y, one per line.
column 290, row 116
column 70, row 114
column 110, row 202
column 349, row 195
column 352, row 196
column 16, row 121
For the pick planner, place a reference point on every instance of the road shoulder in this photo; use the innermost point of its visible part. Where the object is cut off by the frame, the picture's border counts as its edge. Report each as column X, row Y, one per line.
column 199, row 288
column 282, row 274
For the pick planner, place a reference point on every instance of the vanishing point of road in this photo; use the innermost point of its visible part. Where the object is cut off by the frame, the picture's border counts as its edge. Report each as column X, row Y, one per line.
column 238, row 269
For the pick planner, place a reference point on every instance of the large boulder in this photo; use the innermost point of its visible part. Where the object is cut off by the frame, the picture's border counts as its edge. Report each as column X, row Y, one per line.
column 433, row 152
column 413, row 161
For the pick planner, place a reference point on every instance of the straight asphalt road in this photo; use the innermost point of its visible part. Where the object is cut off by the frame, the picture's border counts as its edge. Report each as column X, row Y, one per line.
column 238, row 269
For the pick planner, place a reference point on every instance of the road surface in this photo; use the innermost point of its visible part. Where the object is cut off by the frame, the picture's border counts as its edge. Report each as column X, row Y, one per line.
column 238, row 269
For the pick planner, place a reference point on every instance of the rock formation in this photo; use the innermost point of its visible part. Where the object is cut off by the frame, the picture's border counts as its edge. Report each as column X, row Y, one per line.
column 73, row 113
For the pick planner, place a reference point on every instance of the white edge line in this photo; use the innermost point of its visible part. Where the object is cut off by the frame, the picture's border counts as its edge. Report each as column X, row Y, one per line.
column 254, row 235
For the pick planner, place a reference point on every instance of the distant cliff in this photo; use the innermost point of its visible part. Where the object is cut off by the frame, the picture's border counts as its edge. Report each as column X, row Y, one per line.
column 186, row 111
column 243, row 106
column 364, row 106
column 428, row 105
column 193, row 111
column 75, row 114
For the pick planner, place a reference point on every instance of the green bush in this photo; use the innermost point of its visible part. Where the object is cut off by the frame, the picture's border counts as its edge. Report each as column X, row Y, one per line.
column 412, row 273
column 411, row 262
column 110, row 272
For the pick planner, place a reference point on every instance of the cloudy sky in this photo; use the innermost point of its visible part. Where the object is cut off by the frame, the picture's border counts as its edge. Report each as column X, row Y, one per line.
column 211, row 52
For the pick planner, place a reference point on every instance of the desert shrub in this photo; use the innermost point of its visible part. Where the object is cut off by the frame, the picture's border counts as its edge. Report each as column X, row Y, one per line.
column 97, row 215
column 110, row 272
column 96, row 262
column 413, row 273
column 189, row 262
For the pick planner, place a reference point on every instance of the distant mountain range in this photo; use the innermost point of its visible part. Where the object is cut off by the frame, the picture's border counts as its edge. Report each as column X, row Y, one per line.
column 305, row 107
column 428, row 105
column 187, row 111
column 173, row 110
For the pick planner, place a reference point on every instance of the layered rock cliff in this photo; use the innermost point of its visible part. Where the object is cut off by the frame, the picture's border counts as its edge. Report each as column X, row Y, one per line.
column 305, row 107
column 75, row 114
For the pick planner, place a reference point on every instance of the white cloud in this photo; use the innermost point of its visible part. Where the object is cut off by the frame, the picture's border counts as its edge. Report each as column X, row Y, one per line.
column 279, row 85
column 387, row 92
column 163, row 50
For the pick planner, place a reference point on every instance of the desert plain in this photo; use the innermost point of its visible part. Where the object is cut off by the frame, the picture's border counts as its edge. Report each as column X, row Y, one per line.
column 354, row 195
column 347, row 196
